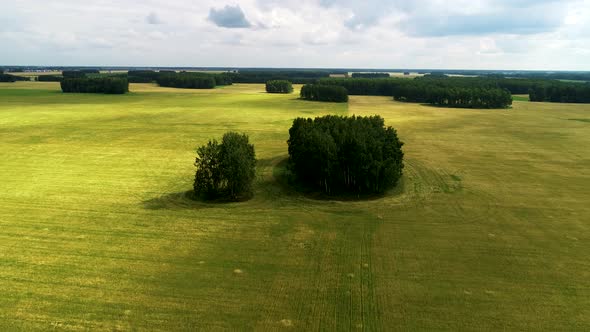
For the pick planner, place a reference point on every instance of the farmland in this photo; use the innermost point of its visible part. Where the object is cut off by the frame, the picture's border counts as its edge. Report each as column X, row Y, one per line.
column 489, row 229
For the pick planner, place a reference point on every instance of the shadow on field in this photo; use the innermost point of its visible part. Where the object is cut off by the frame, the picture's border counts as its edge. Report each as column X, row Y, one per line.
column 185, row 200
column 290, row 186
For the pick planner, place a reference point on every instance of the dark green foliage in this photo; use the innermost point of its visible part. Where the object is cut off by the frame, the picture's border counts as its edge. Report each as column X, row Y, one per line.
column 370, row 75
column 463, row 92
column 7, row 78
column 49, row 78
column 186, row 80
column 331, row 93
column 345, row 154
column 559, row 92
column 225, row 170
column 296, row 76
column 107, row 85
column 142, row 76
column 454, row 97
column 366, row 86
column 222, row 79
column 73, row 74
column 279, row 86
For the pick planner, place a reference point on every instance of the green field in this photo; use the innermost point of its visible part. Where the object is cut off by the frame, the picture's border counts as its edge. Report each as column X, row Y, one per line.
column 489, row 229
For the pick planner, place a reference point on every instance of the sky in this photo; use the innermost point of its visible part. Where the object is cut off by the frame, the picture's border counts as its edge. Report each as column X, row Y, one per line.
column 453, row 34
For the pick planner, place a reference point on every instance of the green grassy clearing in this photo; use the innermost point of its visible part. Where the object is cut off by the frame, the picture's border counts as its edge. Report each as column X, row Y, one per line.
column 490, row 229
column 520, row 97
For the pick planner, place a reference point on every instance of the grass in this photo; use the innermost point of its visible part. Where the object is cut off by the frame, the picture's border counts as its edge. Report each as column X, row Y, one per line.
column 520, row 97
column 489, row 230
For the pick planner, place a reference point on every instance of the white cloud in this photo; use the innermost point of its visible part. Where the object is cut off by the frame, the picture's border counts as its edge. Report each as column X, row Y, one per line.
column 520, row 34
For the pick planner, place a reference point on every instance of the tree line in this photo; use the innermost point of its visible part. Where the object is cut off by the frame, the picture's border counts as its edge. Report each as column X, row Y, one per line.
column 440, row 91
column 456, row 97
column 320, row 92
column 370, row 75
column 294, row 76
column 49, row 78
column 7, row 78
column 79, row 73
column 345, row 154
column 106, row 85
column 560, row 92
column 279, row 86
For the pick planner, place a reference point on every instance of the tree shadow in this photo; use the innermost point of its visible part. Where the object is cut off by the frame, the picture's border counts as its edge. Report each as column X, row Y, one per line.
column 187, row 200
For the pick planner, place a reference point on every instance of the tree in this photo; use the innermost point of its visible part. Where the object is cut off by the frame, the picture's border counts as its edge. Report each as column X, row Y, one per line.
column 238, row 163
column 208, row 177
column 226, row 169
column 279, row 86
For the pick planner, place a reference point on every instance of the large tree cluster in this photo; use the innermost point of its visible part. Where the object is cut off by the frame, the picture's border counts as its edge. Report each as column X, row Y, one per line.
column 226, row 169
column 559, row 92
column 337, row 155
column 279, row 86
column 106, row 85
column 330, row 93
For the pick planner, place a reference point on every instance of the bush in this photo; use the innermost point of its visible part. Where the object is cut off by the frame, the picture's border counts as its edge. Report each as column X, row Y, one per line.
column 279, row 86
column 107, row 85
column 345, row 154
column 186, row 80
column 225, row 170
column 49, row 78
column 329, row 93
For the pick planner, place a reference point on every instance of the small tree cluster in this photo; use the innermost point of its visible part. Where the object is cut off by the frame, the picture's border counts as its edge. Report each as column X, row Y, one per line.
column 345, row 154
column 107, row 85
column 330, row 93
column 226, row 169
column 370, row 75
column 279, row 86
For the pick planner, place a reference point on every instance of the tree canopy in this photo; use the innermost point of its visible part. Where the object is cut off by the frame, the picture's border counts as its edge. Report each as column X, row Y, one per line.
column 226, row 169
column 279, row 86
column 337, row 155
column 330, row 93
column 106, row 85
